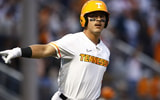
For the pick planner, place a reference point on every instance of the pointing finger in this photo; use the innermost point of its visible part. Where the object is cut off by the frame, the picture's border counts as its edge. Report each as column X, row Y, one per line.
column 4, row 53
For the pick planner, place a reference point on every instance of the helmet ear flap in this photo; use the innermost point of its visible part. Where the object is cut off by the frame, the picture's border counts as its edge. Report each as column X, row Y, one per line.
column 82, row 21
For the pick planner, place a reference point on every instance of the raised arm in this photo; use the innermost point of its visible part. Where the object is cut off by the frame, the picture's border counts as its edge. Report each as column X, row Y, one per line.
column 33, row 51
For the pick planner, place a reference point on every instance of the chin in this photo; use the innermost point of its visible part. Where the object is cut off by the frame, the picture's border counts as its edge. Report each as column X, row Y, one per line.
column 98, row 31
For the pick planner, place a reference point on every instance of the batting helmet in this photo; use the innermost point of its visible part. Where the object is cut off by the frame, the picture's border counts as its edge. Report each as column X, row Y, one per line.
column 92, row 6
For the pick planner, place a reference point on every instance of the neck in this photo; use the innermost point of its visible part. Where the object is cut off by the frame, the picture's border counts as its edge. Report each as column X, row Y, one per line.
column 94, row 37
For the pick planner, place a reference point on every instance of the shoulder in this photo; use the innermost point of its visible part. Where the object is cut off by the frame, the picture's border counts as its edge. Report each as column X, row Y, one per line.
column 69, row 38
column 73, row 35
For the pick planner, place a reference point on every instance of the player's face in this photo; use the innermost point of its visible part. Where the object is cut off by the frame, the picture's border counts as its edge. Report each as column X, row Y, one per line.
column 96, row 22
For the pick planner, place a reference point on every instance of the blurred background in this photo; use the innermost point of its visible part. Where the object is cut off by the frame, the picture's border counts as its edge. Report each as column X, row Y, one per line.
column 133, row 37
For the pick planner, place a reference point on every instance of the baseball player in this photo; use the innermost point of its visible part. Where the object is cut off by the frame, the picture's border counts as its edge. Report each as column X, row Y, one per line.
column 84, row 57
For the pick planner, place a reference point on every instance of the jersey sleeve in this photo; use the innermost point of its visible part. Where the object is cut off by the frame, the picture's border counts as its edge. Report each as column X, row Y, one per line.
column 64, row 47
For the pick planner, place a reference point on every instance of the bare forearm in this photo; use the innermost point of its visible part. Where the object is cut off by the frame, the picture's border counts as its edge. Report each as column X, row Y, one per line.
column 41, row 51
column 34, row 51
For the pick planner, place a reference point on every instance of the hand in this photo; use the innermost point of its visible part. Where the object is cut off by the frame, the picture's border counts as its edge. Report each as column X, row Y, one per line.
column 7, row 55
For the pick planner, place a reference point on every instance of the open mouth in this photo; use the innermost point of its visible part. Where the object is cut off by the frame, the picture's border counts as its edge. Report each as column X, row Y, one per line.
column 98, row 25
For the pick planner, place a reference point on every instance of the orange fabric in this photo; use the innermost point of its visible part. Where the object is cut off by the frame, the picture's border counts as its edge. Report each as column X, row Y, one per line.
column 43, row 38
column 107, row 93
column 157, row 52
column 154, row 88
column 143, row 87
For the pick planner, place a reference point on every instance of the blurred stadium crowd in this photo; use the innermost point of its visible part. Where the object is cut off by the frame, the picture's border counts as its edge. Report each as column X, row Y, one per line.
column 135, row 22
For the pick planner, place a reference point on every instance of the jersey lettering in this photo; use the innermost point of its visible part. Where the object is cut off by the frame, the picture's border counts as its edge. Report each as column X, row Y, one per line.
column 93, row 59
